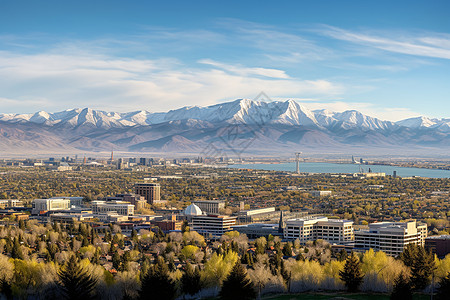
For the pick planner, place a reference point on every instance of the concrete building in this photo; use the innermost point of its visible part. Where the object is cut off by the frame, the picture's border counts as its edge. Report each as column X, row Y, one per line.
column 318, row 194
column 41, row 205
column 137, row 200
column 314, row 228
column 210, row 206
column 121, row 207
column 71, row 218
column 438, row 244
column 391, row 237
column 214, row 225
column 10, row 203
column 256, row 230
column 151, row 191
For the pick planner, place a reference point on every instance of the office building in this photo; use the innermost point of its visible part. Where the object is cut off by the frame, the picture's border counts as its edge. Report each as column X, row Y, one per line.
column 210, row 206
column 121, row 207
column 314, row 228
column 318, row 194
column 438, row 244
column 42, row 205
column 10, row 203
column 213, row 225
column 391, row 237
column 151, row 191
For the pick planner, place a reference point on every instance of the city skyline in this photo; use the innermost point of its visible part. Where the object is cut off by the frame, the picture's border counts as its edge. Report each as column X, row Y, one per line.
column 386, row 60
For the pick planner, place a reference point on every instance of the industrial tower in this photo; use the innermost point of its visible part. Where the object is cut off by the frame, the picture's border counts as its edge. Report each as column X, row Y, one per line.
column 297, row 160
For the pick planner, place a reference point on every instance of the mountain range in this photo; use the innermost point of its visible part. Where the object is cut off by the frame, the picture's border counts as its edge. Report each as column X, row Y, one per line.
column 240, row 126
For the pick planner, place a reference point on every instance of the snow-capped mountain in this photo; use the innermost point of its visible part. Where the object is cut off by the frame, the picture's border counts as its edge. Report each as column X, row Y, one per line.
column 270, row 126
column 424, row 122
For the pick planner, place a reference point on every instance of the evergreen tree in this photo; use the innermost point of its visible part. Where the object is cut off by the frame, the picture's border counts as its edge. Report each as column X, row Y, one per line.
column 237, row 285
column 156, row 283
column 300, row 257
column 443, row 292
column 422, row 269
column 190, row 281
column 287, row 249
column 342, row 255
column 16, row 251
column 402, row 288
column 351, row 275
column 116, row 261
column 409, row 254
column 75, row 282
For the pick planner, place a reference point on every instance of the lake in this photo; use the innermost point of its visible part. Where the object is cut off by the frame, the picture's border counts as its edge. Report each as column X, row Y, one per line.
column 311, row 167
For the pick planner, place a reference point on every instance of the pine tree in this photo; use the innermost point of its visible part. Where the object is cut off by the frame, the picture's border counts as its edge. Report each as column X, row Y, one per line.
column 287, row 249
column 409, row 254
column 402, row 288
column 16, row 251
column 342, row 255
column 156, row 283
column 190, row 281
column 422, row 269
column 237, row 285
column 75, row 282
column 351, row 275
column 116, row 261
column 443, row 291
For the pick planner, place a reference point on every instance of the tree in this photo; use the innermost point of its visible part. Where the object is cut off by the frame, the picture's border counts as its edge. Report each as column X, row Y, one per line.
column 156, row 283
column 75, row 282
column 190, row 281
column 237, row 285
column 16, row 251
column 422, row 269
column 287, row 249
column 351, row 275
column 444, row 288
column 402, row 288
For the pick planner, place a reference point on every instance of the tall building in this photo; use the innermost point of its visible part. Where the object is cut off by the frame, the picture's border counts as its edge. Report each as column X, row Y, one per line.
column 314, row 228
column 150, row 191
column 391, row 237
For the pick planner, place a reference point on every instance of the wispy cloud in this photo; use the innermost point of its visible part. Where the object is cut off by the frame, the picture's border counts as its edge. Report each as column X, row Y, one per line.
column 420, row 44
column 54, row 81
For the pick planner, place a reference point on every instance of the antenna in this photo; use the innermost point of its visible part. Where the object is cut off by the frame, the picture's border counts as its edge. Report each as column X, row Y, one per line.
column 297, row 161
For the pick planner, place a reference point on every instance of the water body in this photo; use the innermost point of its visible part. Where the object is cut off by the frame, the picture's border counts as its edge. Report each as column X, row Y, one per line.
column 346, row 168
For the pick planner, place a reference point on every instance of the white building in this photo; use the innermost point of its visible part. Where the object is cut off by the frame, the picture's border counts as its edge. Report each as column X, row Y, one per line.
column 320, row 193
column 50, row 204
column 212, row 224
column 314, row 228
column 210, row 206
column 391, row 237
column 121, row 207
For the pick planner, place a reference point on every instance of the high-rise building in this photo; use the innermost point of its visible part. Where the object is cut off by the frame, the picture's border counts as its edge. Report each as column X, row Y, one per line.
column 391, row 237
column 150, row 191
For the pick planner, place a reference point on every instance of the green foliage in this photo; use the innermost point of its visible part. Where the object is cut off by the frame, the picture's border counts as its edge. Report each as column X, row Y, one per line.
column 421, row 263
column 443, row 291
column 237, row 285
column 352, row 275
column 156, row 283
column 191, row 281
column 402, row 288
column 75, row 282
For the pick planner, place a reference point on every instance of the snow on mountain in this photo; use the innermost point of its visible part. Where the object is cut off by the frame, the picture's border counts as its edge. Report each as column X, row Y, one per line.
column 424, row 122
column 350, row 119
column 241, row 111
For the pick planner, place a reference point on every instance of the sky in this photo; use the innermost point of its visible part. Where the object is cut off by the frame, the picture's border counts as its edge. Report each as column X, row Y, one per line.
column 387, row 59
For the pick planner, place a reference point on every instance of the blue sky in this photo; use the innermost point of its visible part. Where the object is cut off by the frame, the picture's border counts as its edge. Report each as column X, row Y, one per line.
column 388, row 60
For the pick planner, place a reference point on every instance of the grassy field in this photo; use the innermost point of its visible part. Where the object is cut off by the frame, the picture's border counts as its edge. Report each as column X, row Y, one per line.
column 340, row 296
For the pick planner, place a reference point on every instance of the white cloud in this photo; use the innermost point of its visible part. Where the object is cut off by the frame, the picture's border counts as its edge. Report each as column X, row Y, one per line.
column 49, row 81
column 421, row 44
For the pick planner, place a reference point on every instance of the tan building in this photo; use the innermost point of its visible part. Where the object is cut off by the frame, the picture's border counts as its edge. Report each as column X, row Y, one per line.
column 121, row 207
column 314, row 228
column 50, row 205
column 10, row 203
column 391, row 237
column 213, row 225
column 150, row 191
